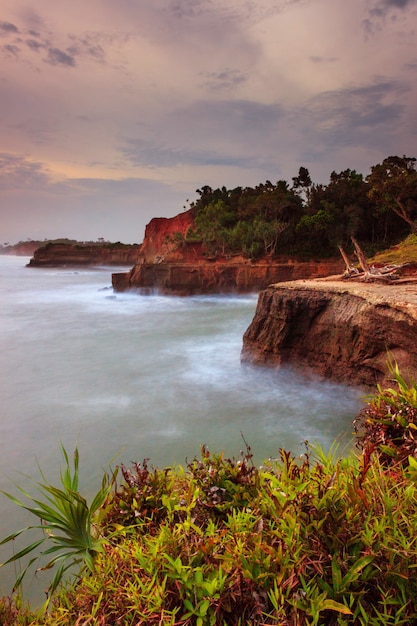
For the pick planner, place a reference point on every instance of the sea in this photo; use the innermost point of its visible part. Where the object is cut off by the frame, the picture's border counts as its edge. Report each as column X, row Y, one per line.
column 125, row 377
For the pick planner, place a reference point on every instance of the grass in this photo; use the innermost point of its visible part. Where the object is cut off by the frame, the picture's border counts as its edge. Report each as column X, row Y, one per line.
column 67, row 522
column 310, row 540
column 404, row 252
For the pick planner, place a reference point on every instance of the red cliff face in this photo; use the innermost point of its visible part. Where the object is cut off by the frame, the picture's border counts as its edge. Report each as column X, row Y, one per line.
column 160, row 237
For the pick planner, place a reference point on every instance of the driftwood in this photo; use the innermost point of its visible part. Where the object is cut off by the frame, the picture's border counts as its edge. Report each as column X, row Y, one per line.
column 387, row 273
column 361, row 257
column 350, row 269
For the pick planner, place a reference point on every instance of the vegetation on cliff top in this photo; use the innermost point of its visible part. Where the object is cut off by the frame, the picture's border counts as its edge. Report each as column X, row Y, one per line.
column 310, row 540
column 308, row 219
column 32, row 245
column 403, row 252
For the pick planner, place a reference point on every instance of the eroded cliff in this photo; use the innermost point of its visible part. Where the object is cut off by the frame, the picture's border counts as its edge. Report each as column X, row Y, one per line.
column 199, row 277
column 343, row 331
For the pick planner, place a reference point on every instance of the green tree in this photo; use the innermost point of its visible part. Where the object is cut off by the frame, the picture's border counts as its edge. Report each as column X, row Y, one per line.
column 393, row 186
column 335, row 212
column 302, row 183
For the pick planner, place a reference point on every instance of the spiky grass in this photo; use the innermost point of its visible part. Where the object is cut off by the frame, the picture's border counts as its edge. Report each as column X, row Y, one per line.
column 69, row 533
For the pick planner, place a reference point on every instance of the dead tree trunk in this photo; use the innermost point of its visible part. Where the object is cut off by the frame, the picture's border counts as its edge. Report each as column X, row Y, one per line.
column 361, row 257
column 349, row 267
column 384, row 274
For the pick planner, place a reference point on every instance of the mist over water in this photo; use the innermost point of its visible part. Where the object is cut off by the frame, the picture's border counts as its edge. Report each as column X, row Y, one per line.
column 126, row 377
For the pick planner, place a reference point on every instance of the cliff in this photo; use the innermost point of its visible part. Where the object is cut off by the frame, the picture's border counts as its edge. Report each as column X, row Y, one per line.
column 160, row 241
column 199, row 277
column 23, row 248
column 170, row 265
column 64, row 255
column 341, row 330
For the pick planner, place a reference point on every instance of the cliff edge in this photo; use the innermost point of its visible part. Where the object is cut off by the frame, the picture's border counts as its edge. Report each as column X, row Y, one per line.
column 339, row 329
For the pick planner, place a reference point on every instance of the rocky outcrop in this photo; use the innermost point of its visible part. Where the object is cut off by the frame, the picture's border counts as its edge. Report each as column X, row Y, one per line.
column 169, row 264
column 341, row 330
column 217, row 276
column 64, row 255
column 162, row 238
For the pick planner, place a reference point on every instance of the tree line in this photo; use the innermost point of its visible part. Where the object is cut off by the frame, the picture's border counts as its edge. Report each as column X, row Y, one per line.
column 305, row 219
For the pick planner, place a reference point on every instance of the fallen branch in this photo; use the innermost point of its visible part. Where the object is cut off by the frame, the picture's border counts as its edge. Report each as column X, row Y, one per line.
column 350, row 270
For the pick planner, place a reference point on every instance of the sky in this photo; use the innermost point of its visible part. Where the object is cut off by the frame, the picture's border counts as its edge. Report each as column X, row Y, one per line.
column 112, row 113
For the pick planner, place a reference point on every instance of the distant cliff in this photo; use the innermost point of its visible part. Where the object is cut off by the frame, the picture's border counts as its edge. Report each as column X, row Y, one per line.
column 170, row 264
column 341, row 330
column 58, row 254
column 23, row 248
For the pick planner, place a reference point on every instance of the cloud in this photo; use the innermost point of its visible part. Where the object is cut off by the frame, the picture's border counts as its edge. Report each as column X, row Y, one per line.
column 34, row 45
column 168, row 95
column 354, row 117
column 11, row 50
column 398, row 4
column 319, row 59
column 226, row 133
column 379, row 11
column 6, row 28
column 62, row 48
column 223, row 80
column 153, row 155
column 239, row 118
column 58, row 57
column 381, row 7
column 188, row 8
column 38, row 129
column 18, row 172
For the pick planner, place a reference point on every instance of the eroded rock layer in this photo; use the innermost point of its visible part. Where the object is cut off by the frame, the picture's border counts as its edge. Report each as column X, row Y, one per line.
column 342, row 331
column 217, row 276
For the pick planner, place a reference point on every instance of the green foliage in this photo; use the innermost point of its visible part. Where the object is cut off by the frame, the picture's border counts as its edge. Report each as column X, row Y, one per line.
column 249, row 221
column 66, row 522
column 14, row 613
column 404, row 252
column 388, row 425
column 315, row 539
column 309, row 220
column 393, row 185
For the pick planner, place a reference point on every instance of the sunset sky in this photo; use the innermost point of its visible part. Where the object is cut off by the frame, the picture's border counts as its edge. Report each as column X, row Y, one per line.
column 114, row 112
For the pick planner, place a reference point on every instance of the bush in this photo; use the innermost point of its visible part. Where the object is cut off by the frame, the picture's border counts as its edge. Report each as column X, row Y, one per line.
column 388, row 425
column 306, row 540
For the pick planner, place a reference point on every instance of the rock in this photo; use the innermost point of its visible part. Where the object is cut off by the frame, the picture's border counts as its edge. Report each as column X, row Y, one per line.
column 217, row 276
column 62, row 254
column 342, row 331
column 160, row 237
column 171, row 265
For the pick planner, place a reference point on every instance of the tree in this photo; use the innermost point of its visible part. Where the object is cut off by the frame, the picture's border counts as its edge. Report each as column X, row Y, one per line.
column 335, row 212
column 393, row 186
column 302, row 183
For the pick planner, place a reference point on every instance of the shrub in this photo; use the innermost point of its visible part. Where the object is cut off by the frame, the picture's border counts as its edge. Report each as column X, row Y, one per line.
column 67, row 523
column 388, row 425
column 309, row 540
